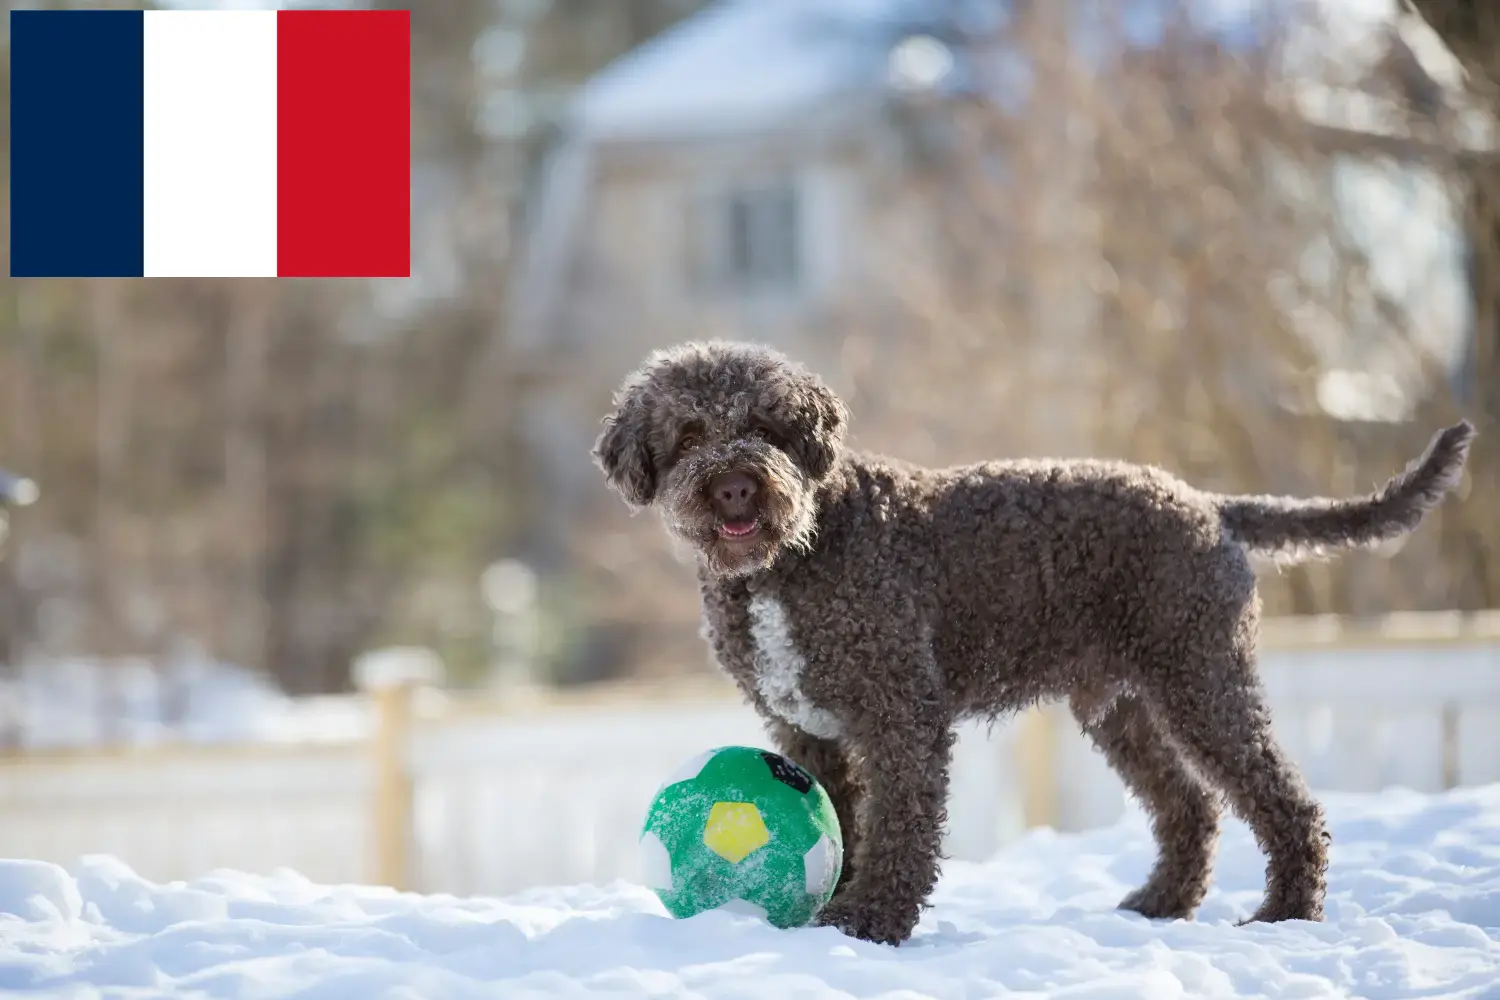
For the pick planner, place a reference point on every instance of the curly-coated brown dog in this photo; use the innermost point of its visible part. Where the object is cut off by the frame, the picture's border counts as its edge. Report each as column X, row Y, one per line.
column 864, row 606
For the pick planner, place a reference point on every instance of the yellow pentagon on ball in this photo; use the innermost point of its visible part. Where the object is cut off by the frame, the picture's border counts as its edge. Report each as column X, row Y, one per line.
column 735, row 830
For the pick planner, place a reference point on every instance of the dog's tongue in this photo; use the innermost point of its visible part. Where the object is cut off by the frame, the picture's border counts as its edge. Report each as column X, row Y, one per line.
column 738, row 527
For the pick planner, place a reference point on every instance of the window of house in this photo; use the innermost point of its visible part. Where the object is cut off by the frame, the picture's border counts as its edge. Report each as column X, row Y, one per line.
column 748, row 239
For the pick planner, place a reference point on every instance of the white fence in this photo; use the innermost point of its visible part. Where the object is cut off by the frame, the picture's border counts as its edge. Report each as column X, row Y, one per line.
column 181, row 812
column 560, row 798
column 474, row 797
column 1408, row 701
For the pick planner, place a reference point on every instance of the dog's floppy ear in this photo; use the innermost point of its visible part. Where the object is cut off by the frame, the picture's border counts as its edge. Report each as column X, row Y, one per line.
column 817, row 417
column 623, row 452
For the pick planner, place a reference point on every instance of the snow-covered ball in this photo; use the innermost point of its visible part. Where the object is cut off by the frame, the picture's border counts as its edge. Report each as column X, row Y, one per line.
column 744, row 829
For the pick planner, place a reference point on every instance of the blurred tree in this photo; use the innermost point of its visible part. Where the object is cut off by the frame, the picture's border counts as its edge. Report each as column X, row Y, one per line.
column 278, row 469
column 1471, row 31
column 1159, row 256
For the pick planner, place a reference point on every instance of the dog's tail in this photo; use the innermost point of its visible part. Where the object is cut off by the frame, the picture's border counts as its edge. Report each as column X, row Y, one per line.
column 1292, row 529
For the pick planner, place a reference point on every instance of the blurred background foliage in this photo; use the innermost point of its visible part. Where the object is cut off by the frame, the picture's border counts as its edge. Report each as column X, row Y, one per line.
column 278, row 468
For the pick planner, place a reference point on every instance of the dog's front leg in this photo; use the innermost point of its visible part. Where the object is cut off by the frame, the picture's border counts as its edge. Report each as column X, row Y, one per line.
column 903, row 766
column 827, row 761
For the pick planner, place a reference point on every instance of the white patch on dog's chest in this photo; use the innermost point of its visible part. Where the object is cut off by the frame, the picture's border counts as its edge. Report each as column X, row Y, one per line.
column 779, row 666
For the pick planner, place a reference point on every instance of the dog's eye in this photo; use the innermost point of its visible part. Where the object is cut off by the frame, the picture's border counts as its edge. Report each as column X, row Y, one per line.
column 687, row 444
column 760, row 433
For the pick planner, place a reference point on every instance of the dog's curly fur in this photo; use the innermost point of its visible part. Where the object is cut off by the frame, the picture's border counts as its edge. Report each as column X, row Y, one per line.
column 864, row 605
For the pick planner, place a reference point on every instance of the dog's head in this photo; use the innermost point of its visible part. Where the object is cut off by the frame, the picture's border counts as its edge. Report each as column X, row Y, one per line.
column 729, row 442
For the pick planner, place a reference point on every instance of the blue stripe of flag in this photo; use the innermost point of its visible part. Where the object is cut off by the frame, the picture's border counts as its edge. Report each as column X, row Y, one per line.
column 77, row 173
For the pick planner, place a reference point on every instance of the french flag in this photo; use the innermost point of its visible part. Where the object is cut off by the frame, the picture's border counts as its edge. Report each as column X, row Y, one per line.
column 241, row 143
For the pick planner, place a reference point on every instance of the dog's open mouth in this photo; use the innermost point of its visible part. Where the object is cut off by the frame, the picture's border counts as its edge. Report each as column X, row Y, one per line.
column 740, row 531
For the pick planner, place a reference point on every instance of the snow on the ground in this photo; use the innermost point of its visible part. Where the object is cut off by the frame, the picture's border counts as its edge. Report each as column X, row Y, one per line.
column 1414, row 911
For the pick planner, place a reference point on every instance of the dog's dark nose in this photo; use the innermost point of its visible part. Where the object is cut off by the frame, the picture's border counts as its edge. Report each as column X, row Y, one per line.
column 733, row 493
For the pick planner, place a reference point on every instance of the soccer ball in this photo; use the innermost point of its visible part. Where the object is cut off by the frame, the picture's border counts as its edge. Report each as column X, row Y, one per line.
column 742, row 829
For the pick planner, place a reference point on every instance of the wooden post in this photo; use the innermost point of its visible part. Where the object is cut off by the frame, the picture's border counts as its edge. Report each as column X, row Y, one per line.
column 393, row 785
column 392, row 677
column 1036, row 745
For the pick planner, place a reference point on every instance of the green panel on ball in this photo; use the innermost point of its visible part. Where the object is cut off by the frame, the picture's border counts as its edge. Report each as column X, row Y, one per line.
column 744, row 829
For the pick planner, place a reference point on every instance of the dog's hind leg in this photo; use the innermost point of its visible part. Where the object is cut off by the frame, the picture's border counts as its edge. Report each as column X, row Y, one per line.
column 1184, row 810
column 1216, row 711
column 826, row 761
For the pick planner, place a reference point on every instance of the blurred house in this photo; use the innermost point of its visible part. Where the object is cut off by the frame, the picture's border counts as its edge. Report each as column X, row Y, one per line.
column 758, row 171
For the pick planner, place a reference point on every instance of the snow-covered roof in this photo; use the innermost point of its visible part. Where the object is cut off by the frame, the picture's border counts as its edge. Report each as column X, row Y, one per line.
column 739, row 63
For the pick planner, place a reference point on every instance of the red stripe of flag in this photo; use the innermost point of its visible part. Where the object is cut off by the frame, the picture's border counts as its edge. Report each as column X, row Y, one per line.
column 343, row 134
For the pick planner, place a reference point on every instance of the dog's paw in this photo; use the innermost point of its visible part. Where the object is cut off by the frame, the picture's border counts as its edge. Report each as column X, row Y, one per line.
column 868, row 922
column 1305, row 906
column 1154, row 903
